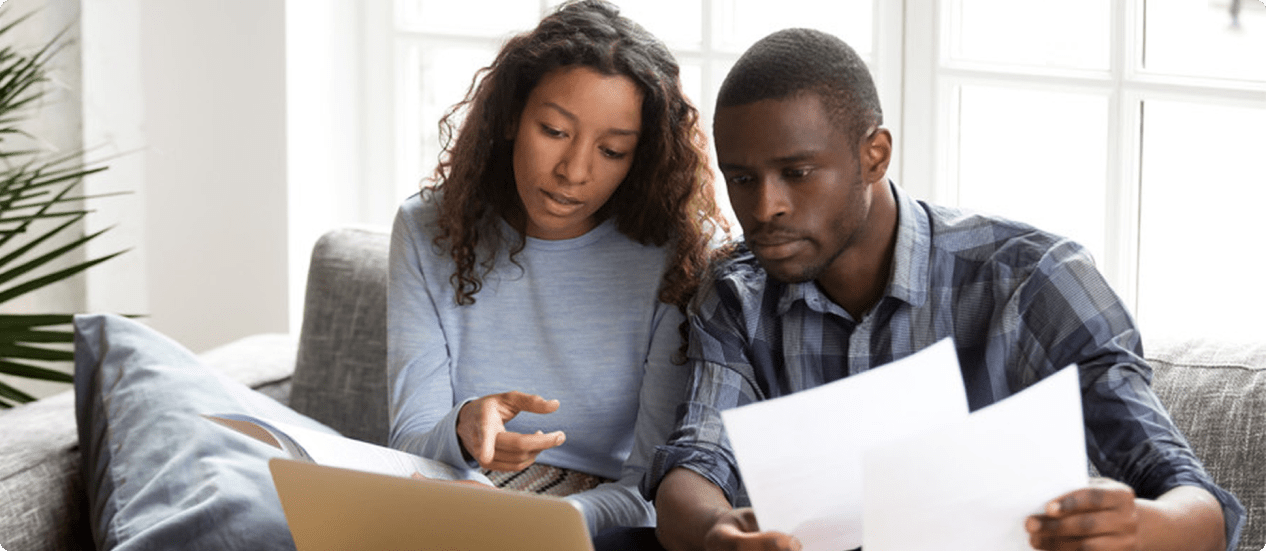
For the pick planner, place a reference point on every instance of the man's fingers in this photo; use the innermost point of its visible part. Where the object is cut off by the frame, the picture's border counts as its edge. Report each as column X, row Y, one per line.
column 1100, row 495
column 1082, row 525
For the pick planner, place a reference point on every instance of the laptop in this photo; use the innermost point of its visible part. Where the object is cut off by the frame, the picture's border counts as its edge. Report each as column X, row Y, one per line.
column 330, row 508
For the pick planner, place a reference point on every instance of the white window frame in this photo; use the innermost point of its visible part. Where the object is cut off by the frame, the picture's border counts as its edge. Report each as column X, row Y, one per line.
column 929, row 135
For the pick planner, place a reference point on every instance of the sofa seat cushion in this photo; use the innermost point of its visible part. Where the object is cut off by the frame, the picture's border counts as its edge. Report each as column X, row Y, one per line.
column 39, row 477
column 1216, row 394
column 158, row 475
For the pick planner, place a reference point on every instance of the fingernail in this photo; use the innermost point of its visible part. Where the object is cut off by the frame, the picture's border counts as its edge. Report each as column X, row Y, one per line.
column 1052, row 508
column 1031, row 524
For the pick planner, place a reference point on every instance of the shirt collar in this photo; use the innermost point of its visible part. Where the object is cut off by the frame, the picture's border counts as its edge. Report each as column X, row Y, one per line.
column 910, row 269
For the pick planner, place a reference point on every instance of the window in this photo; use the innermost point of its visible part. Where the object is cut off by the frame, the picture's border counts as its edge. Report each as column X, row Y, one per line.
column 440, row 44
column 1128, row 126
column 1125, row 125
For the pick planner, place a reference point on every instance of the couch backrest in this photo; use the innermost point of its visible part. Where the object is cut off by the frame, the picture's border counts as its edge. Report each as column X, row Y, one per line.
column 340, row 376
column 1216, row 394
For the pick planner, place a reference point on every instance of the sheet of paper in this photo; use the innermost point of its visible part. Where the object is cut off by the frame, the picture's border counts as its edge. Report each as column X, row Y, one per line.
column 800, row 456
column 971, row 485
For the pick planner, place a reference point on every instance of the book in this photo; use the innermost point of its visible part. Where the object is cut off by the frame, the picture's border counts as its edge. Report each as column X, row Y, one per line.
column 332, row 450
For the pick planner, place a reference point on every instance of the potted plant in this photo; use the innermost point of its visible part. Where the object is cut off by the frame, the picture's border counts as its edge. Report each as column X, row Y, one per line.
column 39, row 212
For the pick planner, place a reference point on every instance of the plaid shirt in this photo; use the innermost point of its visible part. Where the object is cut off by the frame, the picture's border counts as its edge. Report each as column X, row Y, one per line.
column 1019, row 303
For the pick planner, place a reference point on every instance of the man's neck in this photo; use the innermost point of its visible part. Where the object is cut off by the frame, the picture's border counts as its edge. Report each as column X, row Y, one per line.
column 858, row 278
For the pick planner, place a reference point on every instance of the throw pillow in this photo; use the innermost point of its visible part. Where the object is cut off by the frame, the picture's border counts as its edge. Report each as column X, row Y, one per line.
column 158, row 475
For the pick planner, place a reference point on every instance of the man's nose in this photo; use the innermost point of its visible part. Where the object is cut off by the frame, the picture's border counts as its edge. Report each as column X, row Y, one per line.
column 771, row 200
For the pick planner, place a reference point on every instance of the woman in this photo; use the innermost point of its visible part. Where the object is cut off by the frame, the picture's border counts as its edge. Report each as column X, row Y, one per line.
column 537, row 288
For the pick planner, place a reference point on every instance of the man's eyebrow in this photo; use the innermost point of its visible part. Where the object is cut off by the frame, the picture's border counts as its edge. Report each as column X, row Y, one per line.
column 796, row 157
column 783, row 160
column 572, row 117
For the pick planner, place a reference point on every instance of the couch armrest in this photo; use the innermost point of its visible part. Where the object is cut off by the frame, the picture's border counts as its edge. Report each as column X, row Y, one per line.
column 341, row 373
column 1215, row 392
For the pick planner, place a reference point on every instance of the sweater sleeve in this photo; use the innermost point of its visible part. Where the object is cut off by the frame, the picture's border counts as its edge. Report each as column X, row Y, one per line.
column 620, row 503
column 420, row 388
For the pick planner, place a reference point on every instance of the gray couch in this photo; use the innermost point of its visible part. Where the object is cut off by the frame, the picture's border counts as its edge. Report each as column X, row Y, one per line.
column 334, row 373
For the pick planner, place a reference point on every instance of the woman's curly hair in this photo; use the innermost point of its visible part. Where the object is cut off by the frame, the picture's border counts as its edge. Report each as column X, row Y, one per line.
column 667, row 196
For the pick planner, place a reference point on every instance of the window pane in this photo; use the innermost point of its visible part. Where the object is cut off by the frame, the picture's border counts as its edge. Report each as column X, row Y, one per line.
column 1206, row 38
column 437, row 76
column 1200, row 265
column 740, row 23
column 1036, row 156
column 679, row 23
column 1069, row 34
column 468, row 17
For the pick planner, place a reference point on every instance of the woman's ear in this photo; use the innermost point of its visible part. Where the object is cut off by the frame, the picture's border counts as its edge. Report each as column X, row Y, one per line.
column 875, row 153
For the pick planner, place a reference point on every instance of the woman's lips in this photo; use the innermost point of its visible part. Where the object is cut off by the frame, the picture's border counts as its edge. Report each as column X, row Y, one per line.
column 561, row 199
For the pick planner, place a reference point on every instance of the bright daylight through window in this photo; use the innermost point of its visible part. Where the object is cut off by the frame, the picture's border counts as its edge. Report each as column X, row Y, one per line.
column 1130, row 126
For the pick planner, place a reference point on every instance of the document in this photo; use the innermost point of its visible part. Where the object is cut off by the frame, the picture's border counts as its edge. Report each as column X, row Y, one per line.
column 891, row 460
column 333, row 450
column 971, row 485
column 800, row 455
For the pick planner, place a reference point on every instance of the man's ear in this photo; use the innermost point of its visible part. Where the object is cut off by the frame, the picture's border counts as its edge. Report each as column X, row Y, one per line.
column 875, row 153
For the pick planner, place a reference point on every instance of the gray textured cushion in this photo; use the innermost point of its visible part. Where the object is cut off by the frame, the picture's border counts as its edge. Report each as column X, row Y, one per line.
column 42, row 505
column 39, row 461
column 1216, row 394
column 157, row 474
column 340, row 376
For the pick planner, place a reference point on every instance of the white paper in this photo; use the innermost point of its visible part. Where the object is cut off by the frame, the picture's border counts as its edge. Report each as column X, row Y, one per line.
column 971, row 485
column 337, row 451
column 800, row 456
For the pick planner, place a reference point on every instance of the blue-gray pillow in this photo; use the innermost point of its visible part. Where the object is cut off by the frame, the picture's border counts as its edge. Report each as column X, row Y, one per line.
column 158, row 475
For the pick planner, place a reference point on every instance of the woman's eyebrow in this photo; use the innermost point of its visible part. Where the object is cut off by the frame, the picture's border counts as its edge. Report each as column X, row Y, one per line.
column 572, row 116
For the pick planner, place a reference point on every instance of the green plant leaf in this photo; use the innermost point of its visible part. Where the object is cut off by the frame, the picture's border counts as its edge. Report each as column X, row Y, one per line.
column 45, row 258
column 56, row 337
column 10, row 293
column 28, row 321
column 6, row 259
column 33, row 372
column 10, row 396
column 36, row 187
column 19, row 352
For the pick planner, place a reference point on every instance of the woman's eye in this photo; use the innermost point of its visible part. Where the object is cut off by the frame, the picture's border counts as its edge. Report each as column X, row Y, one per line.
column 551, row 131
column 739, row 179
column 611, row 153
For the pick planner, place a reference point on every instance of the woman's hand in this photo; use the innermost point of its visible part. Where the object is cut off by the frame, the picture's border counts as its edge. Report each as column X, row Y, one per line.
column 483, row 435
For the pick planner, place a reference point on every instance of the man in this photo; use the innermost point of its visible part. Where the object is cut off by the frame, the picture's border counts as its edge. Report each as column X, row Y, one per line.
column 841, row 272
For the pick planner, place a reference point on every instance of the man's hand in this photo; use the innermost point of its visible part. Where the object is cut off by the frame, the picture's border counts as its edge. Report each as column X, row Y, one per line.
column 736, row 530
column 1101, row 516
column 482, row 430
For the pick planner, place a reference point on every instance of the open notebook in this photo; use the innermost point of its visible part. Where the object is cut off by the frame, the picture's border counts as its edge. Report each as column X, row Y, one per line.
column 331, row 508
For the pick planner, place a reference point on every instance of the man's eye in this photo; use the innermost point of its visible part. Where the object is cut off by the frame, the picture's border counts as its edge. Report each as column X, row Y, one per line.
column 796, row 173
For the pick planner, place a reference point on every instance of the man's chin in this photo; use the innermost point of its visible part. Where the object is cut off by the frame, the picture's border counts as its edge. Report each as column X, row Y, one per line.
column 788, row 272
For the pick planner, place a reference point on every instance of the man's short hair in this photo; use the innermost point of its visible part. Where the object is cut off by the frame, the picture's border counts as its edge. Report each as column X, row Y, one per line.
column 795, row 61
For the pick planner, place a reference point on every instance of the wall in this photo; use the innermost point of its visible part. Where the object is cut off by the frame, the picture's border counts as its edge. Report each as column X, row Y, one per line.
column 187, row 99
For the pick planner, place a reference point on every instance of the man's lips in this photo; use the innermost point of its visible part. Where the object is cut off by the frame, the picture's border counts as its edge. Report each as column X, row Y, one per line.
column 774, row 246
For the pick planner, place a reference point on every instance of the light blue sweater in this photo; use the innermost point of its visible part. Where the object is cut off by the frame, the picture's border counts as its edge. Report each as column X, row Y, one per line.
column 579, row 322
